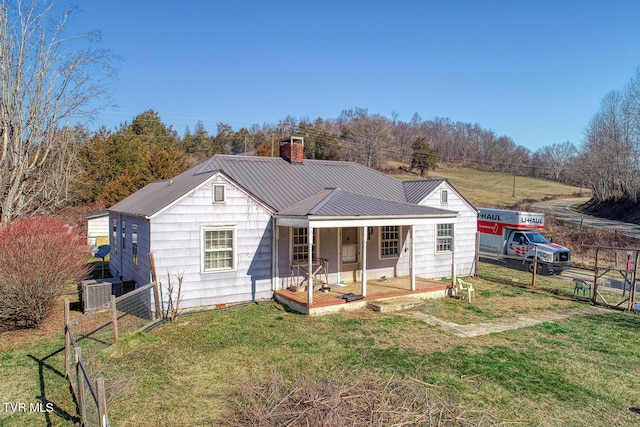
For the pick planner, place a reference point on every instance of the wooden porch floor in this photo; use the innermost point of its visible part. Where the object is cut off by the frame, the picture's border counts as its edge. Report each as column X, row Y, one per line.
column 376, row 290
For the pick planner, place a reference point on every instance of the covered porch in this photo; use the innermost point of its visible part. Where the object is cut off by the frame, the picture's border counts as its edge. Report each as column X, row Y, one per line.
column 349, row 296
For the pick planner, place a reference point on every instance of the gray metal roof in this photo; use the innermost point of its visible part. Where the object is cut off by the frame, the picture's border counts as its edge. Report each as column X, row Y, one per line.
column 416, row 191
column 157, row 195
column 281, row 184
column 335, row 202
column 289, row 187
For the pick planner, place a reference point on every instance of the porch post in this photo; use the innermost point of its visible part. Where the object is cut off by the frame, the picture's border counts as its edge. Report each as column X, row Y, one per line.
column 365, row 235
column 310, row 276
column 453, row 255
column 274, row 255
column 412, row 252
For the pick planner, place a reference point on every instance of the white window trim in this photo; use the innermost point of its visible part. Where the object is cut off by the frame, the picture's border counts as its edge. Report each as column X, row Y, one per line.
column 224, row 193
column 114, row 235
column 444, row 196
column 124, row 237
column 451, row 237
column 203, row 231
column 134, row 245
column 394, row 256
column 316, row 243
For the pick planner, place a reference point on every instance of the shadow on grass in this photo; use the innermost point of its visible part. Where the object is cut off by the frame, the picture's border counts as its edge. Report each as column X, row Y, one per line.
column 43, row 367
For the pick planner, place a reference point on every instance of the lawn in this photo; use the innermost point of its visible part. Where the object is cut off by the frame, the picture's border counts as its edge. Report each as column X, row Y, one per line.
column 578, row 371
column 209, row 368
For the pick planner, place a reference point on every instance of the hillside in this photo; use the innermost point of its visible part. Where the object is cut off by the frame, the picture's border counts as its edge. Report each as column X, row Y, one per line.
column 495, row 189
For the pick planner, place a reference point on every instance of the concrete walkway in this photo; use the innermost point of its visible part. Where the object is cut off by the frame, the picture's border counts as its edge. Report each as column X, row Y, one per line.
column 478, row 329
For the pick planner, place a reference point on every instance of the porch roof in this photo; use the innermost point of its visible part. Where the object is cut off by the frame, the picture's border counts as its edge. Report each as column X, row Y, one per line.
column 336, row 204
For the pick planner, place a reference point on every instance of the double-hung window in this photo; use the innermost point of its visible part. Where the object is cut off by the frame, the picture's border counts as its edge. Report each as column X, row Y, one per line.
column 300, row 247
column 134, row 243
column 114, row 235
column 124, row 236
column 218, row 248
column 444, row 237
column 389, row 241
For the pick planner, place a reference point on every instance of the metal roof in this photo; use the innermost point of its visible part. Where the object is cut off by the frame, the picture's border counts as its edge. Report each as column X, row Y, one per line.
column 157, row 195
column 335, row 202
column 416, row 191
column 281, row 184
column 289, row 187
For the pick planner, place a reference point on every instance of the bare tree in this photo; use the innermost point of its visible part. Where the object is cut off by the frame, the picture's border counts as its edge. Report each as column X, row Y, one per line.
column 366, row 140
column 556, row 157
column 45, row 79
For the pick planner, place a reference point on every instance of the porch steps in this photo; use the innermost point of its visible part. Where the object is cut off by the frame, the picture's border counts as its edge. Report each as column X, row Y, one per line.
column 395, row 304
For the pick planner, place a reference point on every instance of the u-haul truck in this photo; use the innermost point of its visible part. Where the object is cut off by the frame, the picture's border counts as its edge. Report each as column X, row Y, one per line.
column 517, row 234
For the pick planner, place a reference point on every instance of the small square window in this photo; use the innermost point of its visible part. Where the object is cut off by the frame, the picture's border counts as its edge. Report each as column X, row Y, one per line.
column 219, row 193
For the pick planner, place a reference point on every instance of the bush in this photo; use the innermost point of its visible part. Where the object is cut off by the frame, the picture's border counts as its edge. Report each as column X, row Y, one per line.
column 40, row 257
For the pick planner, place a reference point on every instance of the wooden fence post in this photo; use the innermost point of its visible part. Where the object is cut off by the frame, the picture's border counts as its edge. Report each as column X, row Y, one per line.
column 114, row 318
column 81, row 390
column 102, row 402
column 156, row 294
column 67, row 340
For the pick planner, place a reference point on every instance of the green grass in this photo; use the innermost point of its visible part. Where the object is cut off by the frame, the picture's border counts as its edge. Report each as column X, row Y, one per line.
column 32, row 371
column 568, row 372
column 495, row 189
column 577, row 371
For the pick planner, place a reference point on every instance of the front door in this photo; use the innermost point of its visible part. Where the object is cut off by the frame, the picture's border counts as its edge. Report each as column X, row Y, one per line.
column 349, row 254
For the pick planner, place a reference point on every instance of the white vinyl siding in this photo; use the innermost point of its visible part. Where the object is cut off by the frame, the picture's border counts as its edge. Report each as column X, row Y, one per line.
column 177, row 236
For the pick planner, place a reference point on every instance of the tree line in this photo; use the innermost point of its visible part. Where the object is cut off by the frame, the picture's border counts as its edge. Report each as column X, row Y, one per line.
column 47, row 80
column 610, row 158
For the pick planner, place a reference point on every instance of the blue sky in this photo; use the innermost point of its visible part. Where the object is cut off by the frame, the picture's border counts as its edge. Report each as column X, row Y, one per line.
column 532, row 70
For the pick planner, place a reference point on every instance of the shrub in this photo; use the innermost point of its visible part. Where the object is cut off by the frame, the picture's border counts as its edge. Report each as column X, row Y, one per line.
column 40, row 257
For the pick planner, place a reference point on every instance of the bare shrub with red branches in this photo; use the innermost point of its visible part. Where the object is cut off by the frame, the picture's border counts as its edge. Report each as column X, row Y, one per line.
column 40, row 258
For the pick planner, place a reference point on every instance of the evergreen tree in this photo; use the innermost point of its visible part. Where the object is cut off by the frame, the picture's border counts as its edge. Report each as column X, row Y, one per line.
column 424, row 157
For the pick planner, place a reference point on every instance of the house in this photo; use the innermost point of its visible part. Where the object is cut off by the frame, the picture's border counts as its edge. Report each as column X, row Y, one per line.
column 97, row 228
column 240, row 228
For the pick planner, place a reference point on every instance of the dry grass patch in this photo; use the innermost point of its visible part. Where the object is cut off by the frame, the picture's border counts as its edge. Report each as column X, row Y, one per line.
column 345, row 399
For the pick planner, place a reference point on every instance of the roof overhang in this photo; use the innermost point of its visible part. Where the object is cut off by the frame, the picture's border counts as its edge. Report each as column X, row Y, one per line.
column 361, row 221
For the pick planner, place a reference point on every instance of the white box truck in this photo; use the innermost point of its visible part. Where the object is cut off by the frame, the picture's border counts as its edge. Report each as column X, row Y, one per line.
column 516, row 235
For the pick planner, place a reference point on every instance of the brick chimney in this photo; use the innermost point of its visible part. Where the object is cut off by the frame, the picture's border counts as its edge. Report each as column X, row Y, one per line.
column 292, row 149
